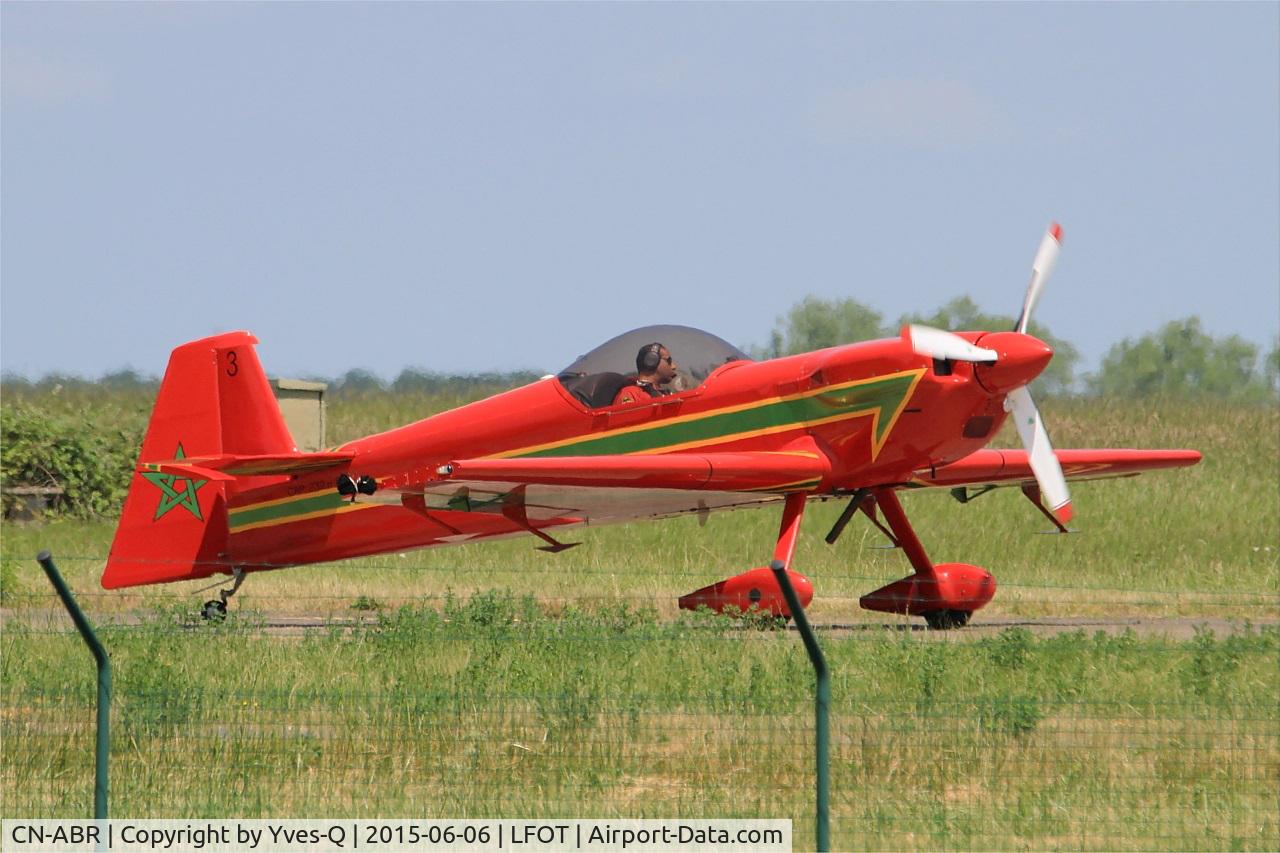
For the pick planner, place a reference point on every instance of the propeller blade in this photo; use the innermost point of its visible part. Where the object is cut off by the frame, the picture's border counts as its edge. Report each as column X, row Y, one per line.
column 1044, row 462
column 1041, row 268
column 936, row 343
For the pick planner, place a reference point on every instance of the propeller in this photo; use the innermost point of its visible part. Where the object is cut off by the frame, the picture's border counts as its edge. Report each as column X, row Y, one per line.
column 1041, row 268
column 936, row 343
column 1020, row 354
column 1044, row 462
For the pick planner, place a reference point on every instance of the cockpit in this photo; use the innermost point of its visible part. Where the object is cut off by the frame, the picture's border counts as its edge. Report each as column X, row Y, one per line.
column 596, row 378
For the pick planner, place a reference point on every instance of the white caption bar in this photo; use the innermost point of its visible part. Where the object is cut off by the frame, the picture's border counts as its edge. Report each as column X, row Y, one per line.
column 394, row 836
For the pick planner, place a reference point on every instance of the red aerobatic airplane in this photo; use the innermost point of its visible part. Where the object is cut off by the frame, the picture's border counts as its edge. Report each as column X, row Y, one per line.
column 221, row 488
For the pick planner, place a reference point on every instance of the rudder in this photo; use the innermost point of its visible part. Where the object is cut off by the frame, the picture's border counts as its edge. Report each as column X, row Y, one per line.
column 214, row 399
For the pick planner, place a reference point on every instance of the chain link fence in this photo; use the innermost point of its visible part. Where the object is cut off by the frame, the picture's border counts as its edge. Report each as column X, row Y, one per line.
column 496, row 706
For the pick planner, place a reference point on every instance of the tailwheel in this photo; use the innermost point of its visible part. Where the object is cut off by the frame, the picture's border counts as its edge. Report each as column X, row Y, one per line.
column 214, row 610
column 945, row 620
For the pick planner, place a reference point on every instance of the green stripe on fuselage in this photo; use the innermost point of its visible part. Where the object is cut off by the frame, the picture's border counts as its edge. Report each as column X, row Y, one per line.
column 883, row 396
column 284, row 509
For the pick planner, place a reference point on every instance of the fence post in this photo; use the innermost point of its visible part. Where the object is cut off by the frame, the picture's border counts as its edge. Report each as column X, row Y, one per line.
column 821, row 706
column 103, row 740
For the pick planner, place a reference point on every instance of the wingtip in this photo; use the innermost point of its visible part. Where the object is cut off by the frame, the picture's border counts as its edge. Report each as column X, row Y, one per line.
column 1056, row 231
column 1064, row 512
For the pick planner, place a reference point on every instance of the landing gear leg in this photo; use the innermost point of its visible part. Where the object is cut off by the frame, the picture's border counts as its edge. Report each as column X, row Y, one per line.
column 216, row 609
column 785, row 549
column 945, row 596
column 757, row 591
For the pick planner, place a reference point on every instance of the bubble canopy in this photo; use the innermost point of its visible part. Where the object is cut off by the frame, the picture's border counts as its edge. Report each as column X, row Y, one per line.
column 697, row 353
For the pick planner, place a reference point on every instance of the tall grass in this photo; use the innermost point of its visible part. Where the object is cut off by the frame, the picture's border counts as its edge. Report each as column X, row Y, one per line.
column 490, row 706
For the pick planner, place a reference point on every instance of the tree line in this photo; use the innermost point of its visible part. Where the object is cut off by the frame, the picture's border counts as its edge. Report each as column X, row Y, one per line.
column 1178, row 359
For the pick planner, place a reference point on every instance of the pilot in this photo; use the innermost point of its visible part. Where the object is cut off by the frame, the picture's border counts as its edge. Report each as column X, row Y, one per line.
column 655, row 370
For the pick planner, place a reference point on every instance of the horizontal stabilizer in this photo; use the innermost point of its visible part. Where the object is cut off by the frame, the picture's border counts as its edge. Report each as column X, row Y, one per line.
column 1013, row 467
column 744, row 471
column 230, row 466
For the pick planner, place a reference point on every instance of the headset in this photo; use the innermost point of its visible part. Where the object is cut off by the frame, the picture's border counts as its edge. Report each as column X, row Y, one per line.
column 649, row 358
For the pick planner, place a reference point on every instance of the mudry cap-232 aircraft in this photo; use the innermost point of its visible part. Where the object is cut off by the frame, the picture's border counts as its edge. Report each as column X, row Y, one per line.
column 220, row 487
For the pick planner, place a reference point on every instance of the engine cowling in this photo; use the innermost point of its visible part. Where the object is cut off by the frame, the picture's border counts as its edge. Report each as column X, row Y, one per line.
column 955, row 586
column 1021, row 358
column 755, row 589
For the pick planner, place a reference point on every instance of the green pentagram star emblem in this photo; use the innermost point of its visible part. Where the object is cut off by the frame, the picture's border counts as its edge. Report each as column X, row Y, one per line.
column 176, row 491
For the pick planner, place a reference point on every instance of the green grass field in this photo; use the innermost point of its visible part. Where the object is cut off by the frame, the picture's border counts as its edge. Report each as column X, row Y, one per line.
column 494, row 708
column 492, row 680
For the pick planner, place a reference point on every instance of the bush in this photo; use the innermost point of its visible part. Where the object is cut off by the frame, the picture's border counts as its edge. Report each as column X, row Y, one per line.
column 91, row 463
column 1180, row 359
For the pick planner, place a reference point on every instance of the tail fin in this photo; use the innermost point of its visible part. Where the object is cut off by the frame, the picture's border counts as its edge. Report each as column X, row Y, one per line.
column 214, row 399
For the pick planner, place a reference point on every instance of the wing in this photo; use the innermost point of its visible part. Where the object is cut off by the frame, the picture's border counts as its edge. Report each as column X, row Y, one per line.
column 989, row 467
column 779, row 471
column 602, row 489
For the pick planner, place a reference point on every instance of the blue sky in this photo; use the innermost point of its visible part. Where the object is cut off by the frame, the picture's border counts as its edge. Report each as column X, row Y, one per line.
column 475, row 187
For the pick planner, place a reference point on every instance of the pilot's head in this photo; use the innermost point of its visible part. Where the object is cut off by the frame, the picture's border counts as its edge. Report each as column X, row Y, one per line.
column 655, row 364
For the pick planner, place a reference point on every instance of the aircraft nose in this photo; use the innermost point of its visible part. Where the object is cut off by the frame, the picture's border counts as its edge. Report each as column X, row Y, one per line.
column 1020, row 358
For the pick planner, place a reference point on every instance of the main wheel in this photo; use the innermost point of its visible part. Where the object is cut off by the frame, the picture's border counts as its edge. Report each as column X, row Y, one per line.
column 945, row 620
column 214, row 610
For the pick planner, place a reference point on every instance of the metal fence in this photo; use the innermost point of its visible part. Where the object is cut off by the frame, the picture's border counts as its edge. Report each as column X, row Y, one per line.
column 492, row 707
column 962, row 775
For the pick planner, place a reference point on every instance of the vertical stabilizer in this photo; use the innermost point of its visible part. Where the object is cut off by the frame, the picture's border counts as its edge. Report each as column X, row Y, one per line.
column 214, row 399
